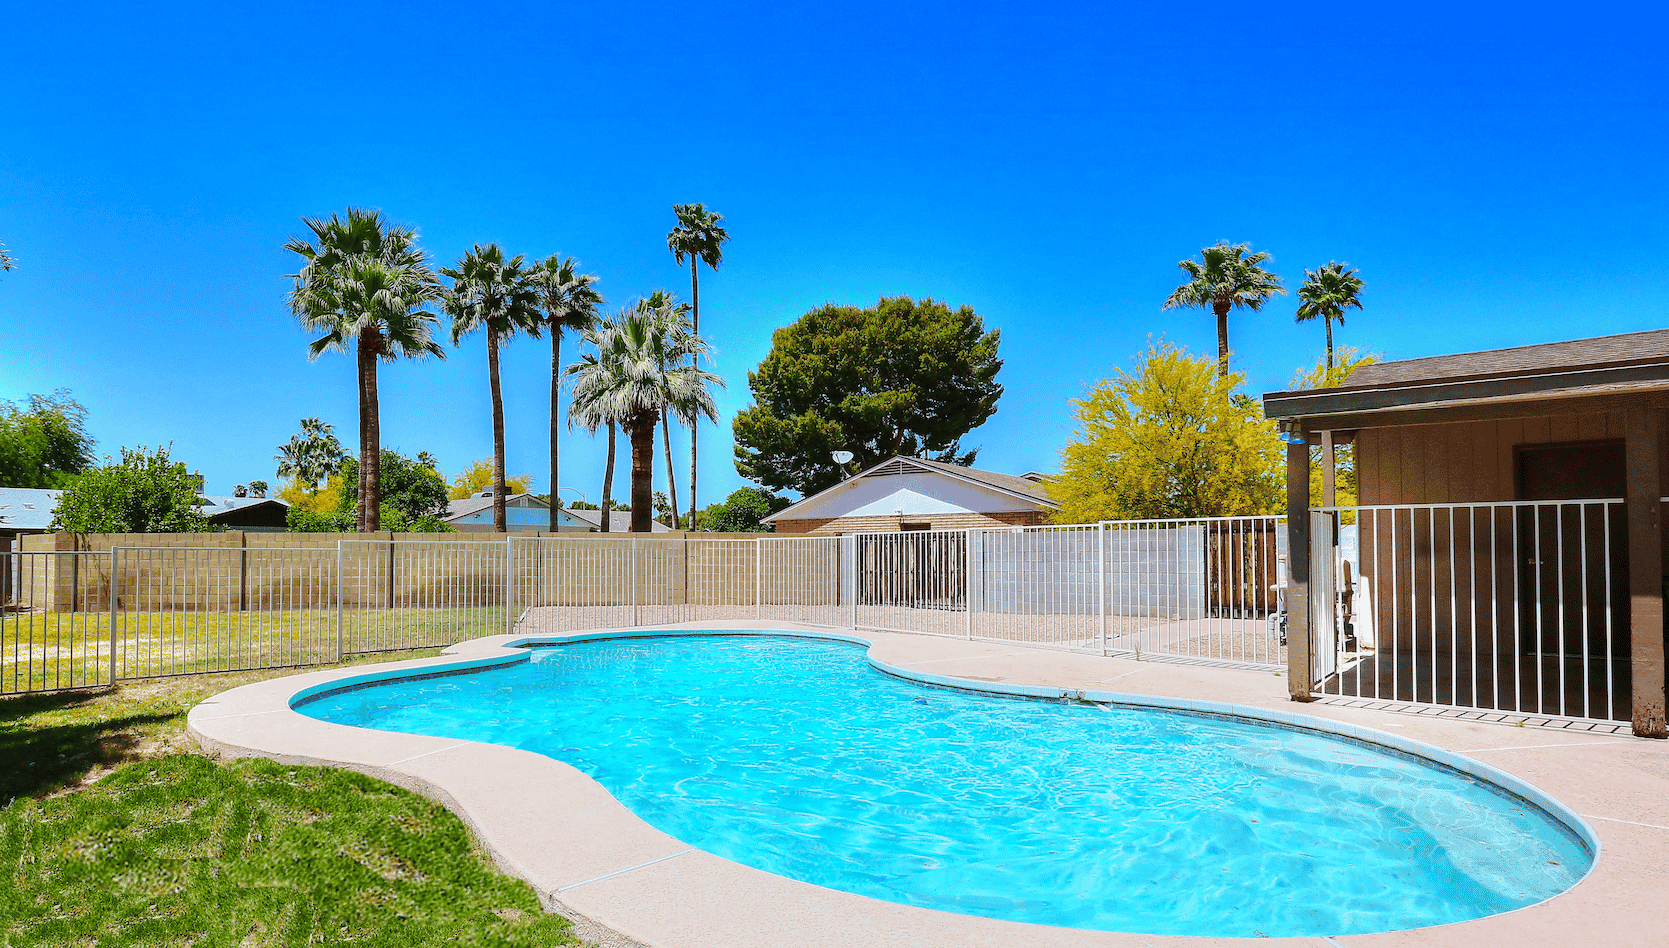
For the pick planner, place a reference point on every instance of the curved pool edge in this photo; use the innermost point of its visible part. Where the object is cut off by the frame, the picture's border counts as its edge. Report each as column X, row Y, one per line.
column 1431, row 753
column 596, row 832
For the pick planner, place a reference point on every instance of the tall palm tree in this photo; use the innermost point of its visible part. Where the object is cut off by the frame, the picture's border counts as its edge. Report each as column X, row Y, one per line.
column 637, row 374
column 365, row 285
column 1225, row 277
column 571, row 302
column 699, row 235
column 675, row 345
column 590, row 411
column 499, row 296
column 311, row 456
column 1327, row 292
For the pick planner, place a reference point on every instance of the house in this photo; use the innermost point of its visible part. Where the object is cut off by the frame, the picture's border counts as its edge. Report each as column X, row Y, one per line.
column 905, row 494
column 528, row 513
column 25, row 511
column 29, row 511
column 618, row 521
column 251, row 514
column 1509, row 545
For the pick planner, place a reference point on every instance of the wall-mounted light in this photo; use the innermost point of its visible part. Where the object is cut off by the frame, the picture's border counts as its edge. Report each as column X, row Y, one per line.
column 1292, row 432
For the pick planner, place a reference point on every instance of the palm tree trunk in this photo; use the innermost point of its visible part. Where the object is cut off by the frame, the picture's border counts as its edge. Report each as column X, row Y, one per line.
column 642, row 430
column 608, row 482
column 556, row 389
column 671, row 488
column 370, row 434
column 498, row 433
column 1329, row 321
column 1222, row 340
column 695, row 319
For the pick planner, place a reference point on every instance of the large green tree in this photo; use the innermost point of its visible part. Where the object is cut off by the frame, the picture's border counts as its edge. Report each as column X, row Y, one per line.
column 742, row 512
column 1227, row 276
column 1326, row 293
column 1173, row 439
column 699, row 235
column 44, row 442
column 571, row 302
column 900, row 377
column 500, row 297
column 638, row 372
column 144, row 492
column 366, row 285
column 414, row 496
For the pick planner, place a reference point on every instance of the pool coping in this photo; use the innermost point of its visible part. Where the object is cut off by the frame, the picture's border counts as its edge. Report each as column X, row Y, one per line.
column 590, row 841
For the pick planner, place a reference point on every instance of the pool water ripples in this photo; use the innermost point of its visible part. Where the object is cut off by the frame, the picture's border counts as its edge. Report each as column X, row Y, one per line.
column 797, row 757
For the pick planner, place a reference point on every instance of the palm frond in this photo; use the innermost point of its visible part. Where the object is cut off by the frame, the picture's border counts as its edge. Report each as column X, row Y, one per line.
column 493, row 294
column 699, row 234
column 1328, row 291
column 1227, row 275
column 360, row 274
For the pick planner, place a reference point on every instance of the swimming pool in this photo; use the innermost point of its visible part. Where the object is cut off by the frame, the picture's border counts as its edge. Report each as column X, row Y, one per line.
column 797, row 757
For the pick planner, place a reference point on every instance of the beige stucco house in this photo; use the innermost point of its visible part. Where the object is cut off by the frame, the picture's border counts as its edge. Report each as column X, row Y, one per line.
column 906, row 494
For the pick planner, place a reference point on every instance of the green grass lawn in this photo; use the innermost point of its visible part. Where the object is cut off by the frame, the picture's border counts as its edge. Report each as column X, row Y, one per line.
column 45, row 650
column 112, row 833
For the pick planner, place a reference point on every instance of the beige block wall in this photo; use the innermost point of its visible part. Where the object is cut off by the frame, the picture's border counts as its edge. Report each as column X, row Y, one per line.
column 697, row 569
column 235, row 571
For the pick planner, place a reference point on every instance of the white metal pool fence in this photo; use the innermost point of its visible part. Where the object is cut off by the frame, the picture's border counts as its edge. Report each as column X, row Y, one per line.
column 1196, row 590
column 1520, row 608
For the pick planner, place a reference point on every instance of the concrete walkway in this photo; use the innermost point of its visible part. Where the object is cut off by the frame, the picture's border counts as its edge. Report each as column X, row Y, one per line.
column 591, row 858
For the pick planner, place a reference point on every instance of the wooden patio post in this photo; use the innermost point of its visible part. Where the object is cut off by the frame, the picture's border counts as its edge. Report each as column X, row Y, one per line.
column 1298, row 568
column 1329, row 468
column 1645, row 567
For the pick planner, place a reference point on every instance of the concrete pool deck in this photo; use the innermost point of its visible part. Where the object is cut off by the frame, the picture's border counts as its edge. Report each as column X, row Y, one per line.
column 591, row 858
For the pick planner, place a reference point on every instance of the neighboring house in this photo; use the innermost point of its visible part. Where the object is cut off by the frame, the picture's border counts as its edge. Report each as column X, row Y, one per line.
column 906, row 494
column 251, row 514
column 1515, row 538
column 523, row 513
column 618, row 521
column 26, row 510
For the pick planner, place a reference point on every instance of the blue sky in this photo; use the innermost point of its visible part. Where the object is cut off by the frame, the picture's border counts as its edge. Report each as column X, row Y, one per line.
column 1497, row 173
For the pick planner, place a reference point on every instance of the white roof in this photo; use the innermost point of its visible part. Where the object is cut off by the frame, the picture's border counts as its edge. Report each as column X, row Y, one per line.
column 916, row 486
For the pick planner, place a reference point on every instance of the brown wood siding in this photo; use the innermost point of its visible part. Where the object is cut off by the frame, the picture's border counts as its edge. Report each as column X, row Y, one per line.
column 1462, row 462
column 1452, row 463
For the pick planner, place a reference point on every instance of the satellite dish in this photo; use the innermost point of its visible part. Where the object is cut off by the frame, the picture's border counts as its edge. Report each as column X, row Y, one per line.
column 842, row 457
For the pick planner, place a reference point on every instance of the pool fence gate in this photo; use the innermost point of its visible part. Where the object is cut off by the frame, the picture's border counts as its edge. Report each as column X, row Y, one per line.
column 1494, row 610
column 1198, row 590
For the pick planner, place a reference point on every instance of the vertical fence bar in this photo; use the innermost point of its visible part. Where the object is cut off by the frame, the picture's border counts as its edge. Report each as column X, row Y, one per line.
column 509, row 586
column 339, row 582
column 1101, row 584
column 112, row 605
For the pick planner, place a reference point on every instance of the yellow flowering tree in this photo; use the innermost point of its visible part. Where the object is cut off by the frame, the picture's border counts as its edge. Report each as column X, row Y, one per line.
column 1174, row 438
column 1321, row 375
column 478, row 477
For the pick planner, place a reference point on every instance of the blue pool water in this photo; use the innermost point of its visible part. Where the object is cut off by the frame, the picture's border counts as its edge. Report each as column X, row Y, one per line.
column 796, row 757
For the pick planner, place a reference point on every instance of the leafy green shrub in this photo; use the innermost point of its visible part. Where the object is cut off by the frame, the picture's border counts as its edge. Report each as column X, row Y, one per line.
column 144, row 493
column 741, row 512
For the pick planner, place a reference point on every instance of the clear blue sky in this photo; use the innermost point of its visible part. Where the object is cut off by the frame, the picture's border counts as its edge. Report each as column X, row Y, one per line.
column 1497, row 173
